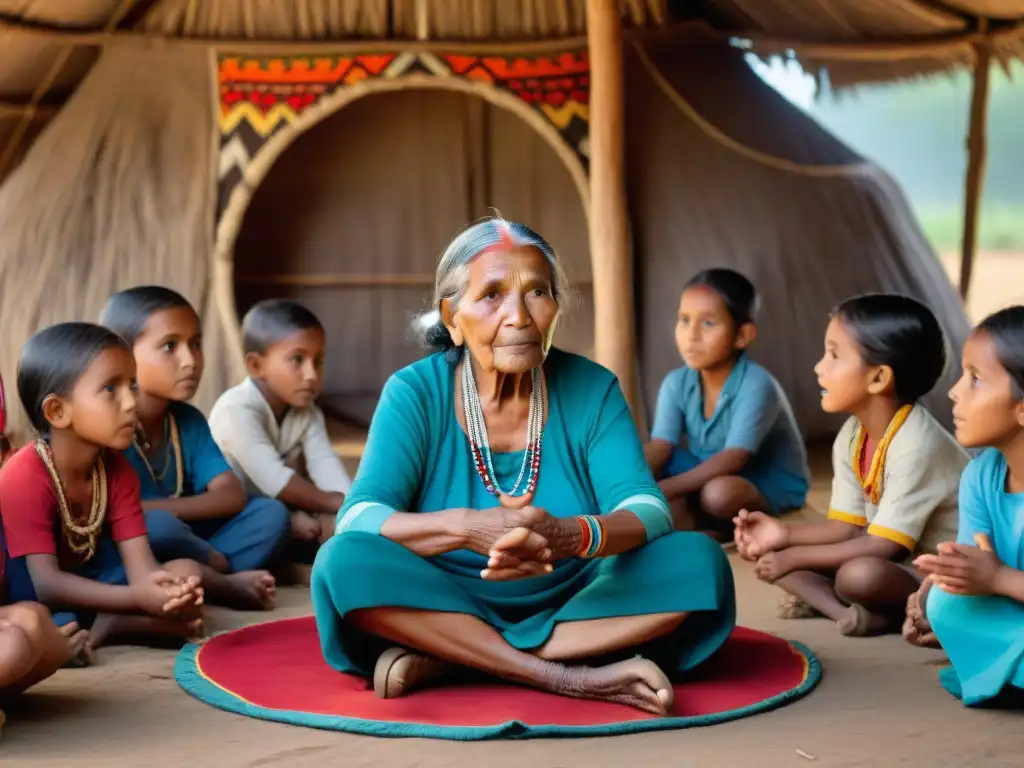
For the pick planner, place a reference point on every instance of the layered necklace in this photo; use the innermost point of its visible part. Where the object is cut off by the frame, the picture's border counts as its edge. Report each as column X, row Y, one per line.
column 172, row 452
column 81, row 538
column 480, row 444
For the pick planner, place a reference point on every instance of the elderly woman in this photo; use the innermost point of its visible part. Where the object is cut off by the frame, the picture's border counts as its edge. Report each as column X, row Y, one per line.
column 503, row 518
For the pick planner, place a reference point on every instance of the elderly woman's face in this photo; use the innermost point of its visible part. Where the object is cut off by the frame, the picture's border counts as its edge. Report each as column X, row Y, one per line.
column 507, row 314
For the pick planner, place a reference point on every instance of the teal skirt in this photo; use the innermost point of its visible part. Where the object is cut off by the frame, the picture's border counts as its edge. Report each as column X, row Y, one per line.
column 984, row 639
column 678, row 573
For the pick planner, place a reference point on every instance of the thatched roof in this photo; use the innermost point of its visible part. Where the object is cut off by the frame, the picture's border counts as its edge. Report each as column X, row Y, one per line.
column 47, row 46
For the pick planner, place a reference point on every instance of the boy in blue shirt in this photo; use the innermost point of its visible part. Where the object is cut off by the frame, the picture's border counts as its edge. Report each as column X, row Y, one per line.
column 195, row 506
column 724, row 435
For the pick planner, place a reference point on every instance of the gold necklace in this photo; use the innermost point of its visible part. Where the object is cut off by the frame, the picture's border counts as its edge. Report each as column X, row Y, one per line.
column 175, row 440
column 81, row 538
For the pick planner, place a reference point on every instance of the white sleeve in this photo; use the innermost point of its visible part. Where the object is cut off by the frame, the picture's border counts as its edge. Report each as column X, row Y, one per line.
column 244, row 441
column 323, row 465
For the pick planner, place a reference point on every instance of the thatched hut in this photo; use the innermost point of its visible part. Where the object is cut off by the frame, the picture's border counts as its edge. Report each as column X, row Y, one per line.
column 325, row 149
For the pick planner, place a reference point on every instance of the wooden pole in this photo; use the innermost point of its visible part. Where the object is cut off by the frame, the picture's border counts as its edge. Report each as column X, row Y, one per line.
column 611, row 258
column 977, row 150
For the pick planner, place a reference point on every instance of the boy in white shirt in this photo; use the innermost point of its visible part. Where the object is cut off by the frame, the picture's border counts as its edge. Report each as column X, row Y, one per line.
column 269, row 427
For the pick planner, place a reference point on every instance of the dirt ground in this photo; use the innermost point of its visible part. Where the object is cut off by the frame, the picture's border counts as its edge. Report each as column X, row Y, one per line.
column 879, row 703
column 995, row 283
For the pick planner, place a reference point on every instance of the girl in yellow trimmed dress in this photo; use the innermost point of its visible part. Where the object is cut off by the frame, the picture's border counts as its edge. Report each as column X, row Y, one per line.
column 897, row 471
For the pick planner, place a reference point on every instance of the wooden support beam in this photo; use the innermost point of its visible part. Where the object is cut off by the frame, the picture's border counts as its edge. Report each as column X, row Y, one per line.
column 977, row 151
column 610, row 253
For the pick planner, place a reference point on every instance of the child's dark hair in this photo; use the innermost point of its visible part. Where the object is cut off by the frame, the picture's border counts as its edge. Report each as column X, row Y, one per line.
column 1006, row 329
column 272, row 320
column 737, row 293
column 899, row 332
column 127, row 312
column 53, row 360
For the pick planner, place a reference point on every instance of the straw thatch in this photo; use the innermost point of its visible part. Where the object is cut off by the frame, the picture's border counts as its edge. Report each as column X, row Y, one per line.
column 106, row 113
column 116, row 193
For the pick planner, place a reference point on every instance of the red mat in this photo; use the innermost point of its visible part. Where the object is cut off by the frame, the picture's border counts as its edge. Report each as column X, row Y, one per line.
column 275, row 671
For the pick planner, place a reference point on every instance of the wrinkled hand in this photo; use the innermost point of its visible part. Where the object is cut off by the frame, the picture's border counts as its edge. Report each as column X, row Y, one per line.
column 773, row 565
column 961, row 569
column 756, row 534
column 483, row 528
column 163, row 593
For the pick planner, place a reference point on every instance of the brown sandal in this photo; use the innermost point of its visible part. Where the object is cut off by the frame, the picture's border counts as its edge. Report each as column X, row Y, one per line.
column 398, row 671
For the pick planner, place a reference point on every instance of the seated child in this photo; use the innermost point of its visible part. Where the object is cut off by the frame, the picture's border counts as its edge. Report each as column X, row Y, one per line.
column 896, row 472
column 195, row 505
column 269, row 425
column 743, row 448
column 74, row 534
column 975, row 603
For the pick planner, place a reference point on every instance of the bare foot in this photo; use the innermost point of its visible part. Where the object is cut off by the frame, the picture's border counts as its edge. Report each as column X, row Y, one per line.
column 792, row 607
column 399, row 671
column 916, row 628
column 254, row 589
column 636, row 683
column 858, row 621
column 305, row 527
column 79, row 647
column 110, row 626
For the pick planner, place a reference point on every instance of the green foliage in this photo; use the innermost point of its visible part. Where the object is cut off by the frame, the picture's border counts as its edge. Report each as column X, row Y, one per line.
column 1002, row 227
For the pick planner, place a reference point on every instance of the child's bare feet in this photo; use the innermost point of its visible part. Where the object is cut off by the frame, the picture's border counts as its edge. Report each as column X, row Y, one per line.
column 858, row 621
column 327, row 524
column 916, row 628
column 305, row 527
column 792, row 607
column 79, row 649
column 254, row 590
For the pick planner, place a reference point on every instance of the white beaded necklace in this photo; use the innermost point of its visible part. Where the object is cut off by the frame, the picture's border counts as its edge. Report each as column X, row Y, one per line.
column 480, row 444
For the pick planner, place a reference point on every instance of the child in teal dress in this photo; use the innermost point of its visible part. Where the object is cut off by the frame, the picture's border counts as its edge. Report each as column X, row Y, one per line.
column 977, row 611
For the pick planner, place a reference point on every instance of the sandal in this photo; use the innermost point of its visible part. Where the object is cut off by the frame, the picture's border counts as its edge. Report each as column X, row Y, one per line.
column 398, row 671
column 792, row 607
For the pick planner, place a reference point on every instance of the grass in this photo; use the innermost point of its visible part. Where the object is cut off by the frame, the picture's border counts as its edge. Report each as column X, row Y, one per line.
column 1002, row 227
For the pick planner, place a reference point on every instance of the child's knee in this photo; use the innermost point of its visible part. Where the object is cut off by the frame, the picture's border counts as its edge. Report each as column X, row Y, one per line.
column 721, row 497
column 271, row 515
column 860, row 579
column 183, row 568
column 162, row 526
column 30, row 618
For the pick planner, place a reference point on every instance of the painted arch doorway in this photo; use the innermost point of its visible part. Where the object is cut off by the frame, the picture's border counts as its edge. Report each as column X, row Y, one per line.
column 352, row 217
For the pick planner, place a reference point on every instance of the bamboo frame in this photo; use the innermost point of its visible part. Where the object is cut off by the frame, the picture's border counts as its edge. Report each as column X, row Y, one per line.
column 940, row 46
column 611, row 258
column 977, row 151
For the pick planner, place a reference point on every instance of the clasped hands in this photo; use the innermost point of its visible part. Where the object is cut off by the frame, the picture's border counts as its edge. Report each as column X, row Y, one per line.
column 519, row 543
column 961, row 569
column 763, row 540
column 162, row 593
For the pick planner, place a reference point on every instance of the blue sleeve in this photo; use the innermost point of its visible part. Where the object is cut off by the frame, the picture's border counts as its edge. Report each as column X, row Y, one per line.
column 203, row 458
column 391, row 470
column 618, row 471
column 669, row 417
column 973, row 511
column 754, row 412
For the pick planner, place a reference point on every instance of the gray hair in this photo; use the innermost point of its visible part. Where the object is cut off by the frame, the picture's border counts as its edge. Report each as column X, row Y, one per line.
column 453, row 274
